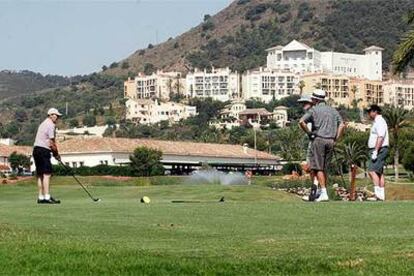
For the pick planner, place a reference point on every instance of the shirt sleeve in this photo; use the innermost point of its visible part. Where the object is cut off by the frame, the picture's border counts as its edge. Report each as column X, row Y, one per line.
column 307, row 118
column 51, row 131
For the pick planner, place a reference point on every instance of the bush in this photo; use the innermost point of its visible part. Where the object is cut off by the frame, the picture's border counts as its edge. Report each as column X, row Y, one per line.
column 208, row 25
column 408, row 159
column 150, row 46
column 243, row 2
column 254, row 12
column 113, row 65
column 96, row 170
column 290, row 167
column 125, row 65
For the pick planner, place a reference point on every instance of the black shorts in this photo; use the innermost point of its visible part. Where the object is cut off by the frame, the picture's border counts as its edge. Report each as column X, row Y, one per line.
column 42, row 162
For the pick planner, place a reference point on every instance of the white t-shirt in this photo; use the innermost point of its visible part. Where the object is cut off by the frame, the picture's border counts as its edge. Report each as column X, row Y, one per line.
column 379, row 129
column 45, row 132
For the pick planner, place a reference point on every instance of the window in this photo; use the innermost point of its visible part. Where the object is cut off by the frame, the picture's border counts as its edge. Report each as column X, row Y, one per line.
column 74, row 164
column 81, row 164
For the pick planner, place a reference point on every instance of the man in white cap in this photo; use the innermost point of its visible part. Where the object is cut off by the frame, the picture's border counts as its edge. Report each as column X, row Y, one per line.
column 327, row 128
column 44, row 147
column 307, row 103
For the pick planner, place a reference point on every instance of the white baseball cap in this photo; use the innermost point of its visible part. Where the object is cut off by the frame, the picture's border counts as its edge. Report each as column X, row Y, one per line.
column 305, row 99
column 52, row 111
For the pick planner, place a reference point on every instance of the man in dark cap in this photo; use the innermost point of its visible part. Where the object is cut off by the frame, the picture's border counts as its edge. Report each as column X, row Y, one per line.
column 378, row 150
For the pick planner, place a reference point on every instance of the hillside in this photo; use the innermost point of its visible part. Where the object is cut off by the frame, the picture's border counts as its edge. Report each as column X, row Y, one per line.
column 14, row 83
column 238, row 35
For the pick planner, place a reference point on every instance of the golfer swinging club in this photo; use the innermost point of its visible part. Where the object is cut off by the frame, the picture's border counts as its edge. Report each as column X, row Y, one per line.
column 307, row 103
column 44, row 146
column 327, row 127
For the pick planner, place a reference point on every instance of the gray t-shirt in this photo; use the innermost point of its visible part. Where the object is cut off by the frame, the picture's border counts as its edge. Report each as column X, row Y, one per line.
column 45, row 132
column 325, row 120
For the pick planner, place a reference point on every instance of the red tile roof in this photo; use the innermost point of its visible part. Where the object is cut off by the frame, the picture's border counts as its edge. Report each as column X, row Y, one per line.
column 260, row 111
column 124, row 145
column 7, row 150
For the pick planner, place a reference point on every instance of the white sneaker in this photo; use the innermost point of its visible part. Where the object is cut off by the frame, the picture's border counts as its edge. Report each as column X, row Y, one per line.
column 323, row 197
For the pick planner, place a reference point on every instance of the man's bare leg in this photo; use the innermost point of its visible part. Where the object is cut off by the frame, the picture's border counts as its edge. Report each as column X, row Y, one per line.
column 46, row 182
column 321, row 175
column 40, row 187
column 376, row 181
column 382, row 186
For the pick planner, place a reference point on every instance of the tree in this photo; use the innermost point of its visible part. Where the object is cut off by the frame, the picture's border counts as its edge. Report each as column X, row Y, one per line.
column 149, row 68
column 104, row 68
column 352, row 154
column 74, row 123
column 397, row 119
column 404, row 54
column 408, row 160
column 89, row 120
column 146, row 162
column 19, row 161
column 125, row 65
column 291, row 143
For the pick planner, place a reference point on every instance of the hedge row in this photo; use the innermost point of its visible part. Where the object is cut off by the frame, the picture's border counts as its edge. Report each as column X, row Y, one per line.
column 97, row 170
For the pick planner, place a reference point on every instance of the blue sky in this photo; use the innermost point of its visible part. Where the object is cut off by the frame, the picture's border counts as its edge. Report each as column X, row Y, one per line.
column 78, row 37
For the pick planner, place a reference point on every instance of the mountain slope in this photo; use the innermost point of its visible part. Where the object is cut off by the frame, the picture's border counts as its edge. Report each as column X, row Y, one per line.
column 24, row 82
column 238, row 35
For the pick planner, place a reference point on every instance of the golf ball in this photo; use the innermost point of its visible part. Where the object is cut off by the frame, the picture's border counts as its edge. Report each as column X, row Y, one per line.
column 145, row 199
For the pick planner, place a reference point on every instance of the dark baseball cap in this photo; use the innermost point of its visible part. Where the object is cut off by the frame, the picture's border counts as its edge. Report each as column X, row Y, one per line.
column 374, row 108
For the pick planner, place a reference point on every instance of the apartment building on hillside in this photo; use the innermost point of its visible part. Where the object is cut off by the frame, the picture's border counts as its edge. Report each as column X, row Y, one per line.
column 400, row 93
column 219, row 83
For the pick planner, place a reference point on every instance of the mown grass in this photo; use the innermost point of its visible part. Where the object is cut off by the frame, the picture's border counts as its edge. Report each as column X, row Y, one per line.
column 256, row 231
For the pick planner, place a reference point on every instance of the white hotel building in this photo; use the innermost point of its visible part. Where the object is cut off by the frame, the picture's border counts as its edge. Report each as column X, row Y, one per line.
column 301, row 58
column 219, row 84
column 266, row 84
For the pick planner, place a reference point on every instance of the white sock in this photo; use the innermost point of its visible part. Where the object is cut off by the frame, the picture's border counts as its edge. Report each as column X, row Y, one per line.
column 377, row 191
column 47, row 196
column 382, row 192
column 41, row 197
column 323, row 191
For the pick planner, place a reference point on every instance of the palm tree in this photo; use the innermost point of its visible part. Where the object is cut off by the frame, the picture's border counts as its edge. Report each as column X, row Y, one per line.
column 301, row 85
column 397, row 118
column 352, row 154
column 404, row 54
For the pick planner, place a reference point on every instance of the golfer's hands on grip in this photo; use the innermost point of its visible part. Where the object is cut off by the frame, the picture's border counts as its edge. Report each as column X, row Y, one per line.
column 374, row 155
column 57, row 157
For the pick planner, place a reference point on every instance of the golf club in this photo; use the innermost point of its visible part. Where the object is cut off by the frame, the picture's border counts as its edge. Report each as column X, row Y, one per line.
column 77, row 180
column 197, row 201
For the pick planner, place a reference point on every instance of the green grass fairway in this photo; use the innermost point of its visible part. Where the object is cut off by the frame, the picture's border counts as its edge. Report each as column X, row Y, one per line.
column 257, row 231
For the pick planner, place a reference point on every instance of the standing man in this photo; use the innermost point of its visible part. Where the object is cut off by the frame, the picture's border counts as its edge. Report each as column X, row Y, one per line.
column 378, row 150
column 307, row 103
column 327, row 127
column 44, row 147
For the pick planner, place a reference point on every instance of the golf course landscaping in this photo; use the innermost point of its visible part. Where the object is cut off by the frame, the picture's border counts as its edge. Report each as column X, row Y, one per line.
column 255, row 231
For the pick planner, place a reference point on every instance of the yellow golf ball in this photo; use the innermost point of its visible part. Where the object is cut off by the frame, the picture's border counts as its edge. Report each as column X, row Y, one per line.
column 145, row 199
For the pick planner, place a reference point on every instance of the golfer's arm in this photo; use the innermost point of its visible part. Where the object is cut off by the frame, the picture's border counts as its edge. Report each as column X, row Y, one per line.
column 340, row 131
column 378, row 145
column 304, row 126
column 53, row 147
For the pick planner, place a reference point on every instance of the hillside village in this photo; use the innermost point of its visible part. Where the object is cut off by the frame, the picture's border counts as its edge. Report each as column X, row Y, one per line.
column 350, row 80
